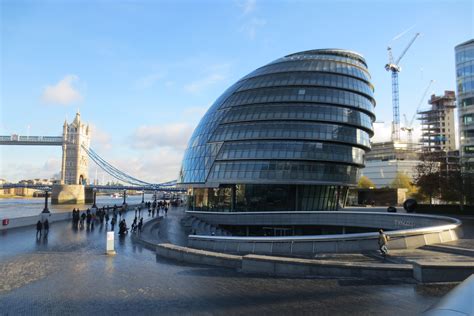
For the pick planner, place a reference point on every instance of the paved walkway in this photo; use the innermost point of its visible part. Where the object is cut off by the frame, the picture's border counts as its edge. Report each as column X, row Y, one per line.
column 69, row 274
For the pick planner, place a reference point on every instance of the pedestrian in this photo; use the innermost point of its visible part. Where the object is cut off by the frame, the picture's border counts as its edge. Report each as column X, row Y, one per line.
column 39, row 227
column 46, row 228
column 83, row 218
column 89, row 219
column 112, row 223
column 383, row 241
column 140, row 225
column 106, row 219
column 166, row 211
column 134, row 225
column 123, row 227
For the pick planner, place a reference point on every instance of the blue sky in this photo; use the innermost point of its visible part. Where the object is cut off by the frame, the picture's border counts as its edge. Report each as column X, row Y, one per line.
column 144, row 72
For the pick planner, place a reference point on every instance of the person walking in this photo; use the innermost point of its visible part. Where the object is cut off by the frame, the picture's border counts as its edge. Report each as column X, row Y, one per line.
column 383, row 241
column 134, row 225
column 46, row 228
column 39, row 228
column 140, row 225
column 112, row 223
column 89, row 219
column 83, row 218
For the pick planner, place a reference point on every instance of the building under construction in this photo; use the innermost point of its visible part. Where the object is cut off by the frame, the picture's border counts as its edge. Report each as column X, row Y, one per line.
column 437, row 124
column 438, row 134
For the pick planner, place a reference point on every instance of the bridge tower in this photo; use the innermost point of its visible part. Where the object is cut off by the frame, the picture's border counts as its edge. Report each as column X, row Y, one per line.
column 75, row 161
column 74, row 165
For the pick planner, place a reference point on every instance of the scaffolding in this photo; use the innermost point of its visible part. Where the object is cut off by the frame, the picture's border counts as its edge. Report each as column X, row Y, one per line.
column 437, row 124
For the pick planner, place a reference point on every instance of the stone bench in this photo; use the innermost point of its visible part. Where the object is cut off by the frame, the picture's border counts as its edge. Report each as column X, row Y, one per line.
column 308, row 267
column 442, row 271
column 196, row 256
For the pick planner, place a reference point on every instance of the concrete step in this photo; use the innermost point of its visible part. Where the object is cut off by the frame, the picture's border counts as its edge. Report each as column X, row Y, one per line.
column 450, row 249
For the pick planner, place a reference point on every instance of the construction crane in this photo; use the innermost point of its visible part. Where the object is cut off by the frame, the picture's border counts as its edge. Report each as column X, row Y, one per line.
column 395, row 69
column 409, row 124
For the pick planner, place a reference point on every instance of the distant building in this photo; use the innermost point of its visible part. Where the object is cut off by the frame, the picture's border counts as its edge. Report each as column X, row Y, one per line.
column 387, row 159
column 465, row 89
column 437, row 124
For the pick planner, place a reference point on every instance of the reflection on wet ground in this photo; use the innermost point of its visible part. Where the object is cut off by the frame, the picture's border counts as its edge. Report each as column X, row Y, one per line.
column 69, row 274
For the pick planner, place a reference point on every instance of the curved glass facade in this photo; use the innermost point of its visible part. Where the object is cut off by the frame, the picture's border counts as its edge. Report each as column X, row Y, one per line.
column 290, row 136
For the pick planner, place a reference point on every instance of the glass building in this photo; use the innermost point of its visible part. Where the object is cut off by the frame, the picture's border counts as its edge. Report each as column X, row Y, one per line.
column 465, row 87
column 289, row 136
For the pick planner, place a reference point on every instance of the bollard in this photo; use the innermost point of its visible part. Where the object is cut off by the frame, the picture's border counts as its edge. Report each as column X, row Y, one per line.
column 110, row 243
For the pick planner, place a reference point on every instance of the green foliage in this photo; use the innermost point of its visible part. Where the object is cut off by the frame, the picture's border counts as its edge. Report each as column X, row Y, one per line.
column 401, row 181
column 428, row 179
column 365, row 183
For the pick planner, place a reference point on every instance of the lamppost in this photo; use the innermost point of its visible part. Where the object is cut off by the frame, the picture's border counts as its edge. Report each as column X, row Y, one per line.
column 45, row 213
column 94, row 192
column 124, row 197
column 46, row 210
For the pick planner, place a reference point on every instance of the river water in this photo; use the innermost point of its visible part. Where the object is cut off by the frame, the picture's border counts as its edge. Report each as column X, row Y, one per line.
column 12, row 208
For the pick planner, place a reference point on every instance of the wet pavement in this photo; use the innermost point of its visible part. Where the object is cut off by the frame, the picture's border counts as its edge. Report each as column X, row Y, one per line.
column 69, row 274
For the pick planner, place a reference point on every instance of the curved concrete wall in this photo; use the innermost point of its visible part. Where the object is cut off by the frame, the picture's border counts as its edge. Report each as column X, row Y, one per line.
column 389, row 221
column 408, row 231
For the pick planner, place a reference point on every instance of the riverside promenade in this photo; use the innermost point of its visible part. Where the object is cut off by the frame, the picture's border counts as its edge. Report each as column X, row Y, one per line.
column 69, row 274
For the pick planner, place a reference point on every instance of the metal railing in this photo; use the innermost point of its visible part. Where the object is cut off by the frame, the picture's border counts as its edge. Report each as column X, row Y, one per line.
column 18, row 139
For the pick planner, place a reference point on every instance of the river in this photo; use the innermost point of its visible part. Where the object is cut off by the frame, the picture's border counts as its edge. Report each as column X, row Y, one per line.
column 11, row 208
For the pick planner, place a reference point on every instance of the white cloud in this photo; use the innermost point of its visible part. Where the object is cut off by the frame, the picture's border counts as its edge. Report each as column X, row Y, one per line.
column 24, row 171
column 99, row 138
column 174, row 135
column 155, row 166
column 212, row 75
column 63, row 92
column 247, row 6
column 383, row 133
column 201, row 84
column 148, row 81
column 196, row 112
column 251, row 26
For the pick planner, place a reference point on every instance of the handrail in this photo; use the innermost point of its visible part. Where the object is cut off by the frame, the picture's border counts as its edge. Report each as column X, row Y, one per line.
column 452, row 223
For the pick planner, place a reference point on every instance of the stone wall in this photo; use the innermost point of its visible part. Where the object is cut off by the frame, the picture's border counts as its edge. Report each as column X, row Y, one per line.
column 68, row 194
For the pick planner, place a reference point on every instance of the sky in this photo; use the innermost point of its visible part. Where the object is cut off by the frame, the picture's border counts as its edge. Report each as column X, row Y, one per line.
column 143, row 73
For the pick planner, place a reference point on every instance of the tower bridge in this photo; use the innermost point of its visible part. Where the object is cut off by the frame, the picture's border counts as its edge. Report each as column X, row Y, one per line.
column 76, row 152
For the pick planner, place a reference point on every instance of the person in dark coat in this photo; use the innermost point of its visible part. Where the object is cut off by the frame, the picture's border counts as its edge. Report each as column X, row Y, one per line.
column 39, row 227
column 140, row 225
column 46, row 228
column 83, row 218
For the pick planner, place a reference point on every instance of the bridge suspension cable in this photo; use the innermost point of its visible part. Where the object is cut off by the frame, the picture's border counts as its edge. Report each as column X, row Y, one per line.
column 120, row 175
